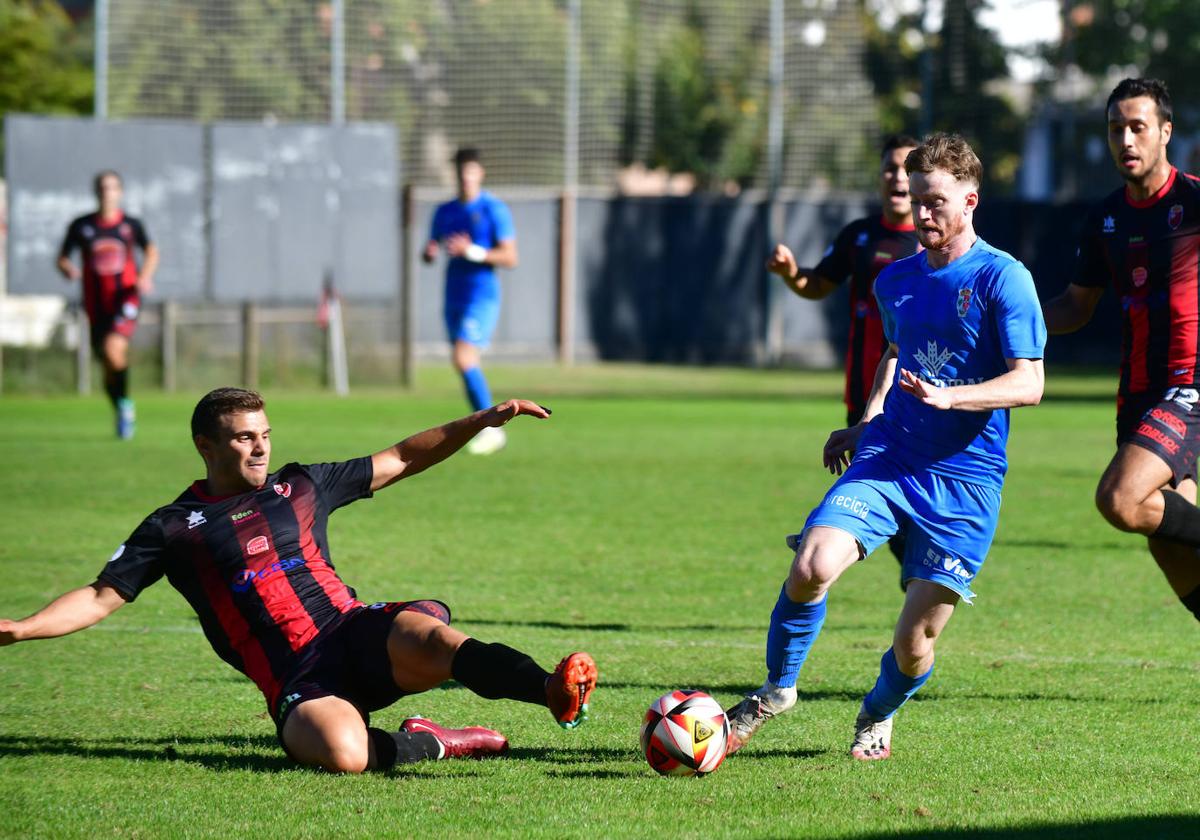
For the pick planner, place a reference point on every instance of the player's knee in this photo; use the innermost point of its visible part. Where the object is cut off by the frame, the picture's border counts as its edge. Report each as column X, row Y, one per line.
column 345, row 752
column 914, row 651
column 810, row 576
column 1117, row 506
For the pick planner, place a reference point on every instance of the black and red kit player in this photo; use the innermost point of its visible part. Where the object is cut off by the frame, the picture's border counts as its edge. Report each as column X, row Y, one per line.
column 113, row 283
column 859, row 252
column 249, row 550
column 1144, row 241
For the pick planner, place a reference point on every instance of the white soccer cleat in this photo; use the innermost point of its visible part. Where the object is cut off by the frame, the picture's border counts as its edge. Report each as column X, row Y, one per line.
column 755, row 709
column 489, row 439
column 872, row 738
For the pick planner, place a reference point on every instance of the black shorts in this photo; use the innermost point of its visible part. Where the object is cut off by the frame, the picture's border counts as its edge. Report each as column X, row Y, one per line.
column 122, row 321
column 1167, row 424
column 350, row 661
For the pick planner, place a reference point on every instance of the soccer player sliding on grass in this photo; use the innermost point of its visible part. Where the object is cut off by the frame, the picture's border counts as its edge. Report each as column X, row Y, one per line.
column 248, row 550
column 966, row 334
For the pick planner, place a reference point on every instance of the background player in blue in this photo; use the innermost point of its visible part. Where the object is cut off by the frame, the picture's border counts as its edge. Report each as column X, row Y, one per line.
column 476, row 230
column 965, row 336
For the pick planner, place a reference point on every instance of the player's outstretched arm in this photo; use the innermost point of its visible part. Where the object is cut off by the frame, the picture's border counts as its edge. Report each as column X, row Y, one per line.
column 424, row 449
column 803, row 281
column 67, row 613
column 145, row 280
column 1072, row 309
column 1021, row 385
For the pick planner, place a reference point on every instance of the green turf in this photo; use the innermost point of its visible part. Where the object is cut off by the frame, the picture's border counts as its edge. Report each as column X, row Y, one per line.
column 645, row 523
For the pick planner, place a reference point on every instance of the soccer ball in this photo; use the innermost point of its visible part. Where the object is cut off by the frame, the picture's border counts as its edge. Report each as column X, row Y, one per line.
column 685, row 733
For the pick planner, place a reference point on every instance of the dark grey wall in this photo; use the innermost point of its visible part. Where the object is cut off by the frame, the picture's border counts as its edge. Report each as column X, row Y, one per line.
column 50, row 162
column 278, row 207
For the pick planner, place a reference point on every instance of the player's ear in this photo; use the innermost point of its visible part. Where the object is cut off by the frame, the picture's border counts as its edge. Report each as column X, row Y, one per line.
column 971, row 201
column 1167, row 128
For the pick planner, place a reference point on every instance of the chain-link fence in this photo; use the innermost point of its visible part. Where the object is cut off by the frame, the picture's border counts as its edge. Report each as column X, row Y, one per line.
column 741, row 93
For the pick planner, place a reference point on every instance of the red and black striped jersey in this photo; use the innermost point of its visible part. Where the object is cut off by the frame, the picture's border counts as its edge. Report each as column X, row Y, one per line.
column 861, row 250
column 1150, row 252
column 109, row 269
column 255, row 566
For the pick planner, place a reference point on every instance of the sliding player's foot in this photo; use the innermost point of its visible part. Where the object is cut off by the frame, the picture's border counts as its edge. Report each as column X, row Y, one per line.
column 569, row 689
column 468, row 742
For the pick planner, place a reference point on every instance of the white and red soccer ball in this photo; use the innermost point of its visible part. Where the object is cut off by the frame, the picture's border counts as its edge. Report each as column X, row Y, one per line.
column 685, row 733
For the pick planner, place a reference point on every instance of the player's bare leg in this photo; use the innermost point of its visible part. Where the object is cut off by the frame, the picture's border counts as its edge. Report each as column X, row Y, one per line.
column 904, row 668
column 1133, row 495
column 328, row 732
column 114, row 357
column 425, row 652
column 822, row 555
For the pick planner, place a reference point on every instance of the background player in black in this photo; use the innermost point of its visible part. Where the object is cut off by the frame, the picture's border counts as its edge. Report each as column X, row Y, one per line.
column 112, row 284
column 248, row 550
column 859, row 252
column 1145, row 239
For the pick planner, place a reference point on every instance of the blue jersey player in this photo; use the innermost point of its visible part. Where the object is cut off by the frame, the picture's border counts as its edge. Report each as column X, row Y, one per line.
column 965, row 335
column 476, row 229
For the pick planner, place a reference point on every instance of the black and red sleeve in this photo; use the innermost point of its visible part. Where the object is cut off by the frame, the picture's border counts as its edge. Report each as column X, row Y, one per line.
column 1091, row 266
column 138, row 562
column 72, row 240
column 342, row 482
column 838, row 262
column 139, row 233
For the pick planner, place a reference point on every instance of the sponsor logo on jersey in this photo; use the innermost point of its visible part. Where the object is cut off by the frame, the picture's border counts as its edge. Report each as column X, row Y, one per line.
column 1110, row 224
column 1170, row 421
column 195, row 519
column 1175, row 216
column 862, row 240
column 1158, row 436
column 900, row 301
column 246, row 578
column 244, row 514
column 284, row 489
column 855, row 505
column 932, row 358
column 257, row 545
column 964, row 302
column 88, row 231
column 1139, row 276
column 286, row 702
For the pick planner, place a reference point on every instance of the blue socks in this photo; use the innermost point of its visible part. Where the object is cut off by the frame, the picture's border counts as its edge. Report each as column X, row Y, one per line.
column 794, row 628
column 478, row 393
column 892, row 688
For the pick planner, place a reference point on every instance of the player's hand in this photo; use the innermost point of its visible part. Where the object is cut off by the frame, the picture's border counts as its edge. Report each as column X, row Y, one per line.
column 145, row 285
column 782, row 262
column 69, row 270
column 839, row 449
column 8, row 632
column 430, row 252
column 457, row 244
column 507, row 410
column 930, row 395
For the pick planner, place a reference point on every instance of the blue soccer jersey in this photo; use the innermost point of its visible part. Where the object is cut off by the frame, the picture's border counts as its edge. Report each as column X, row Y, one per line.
column 954, row 325
column 488, row 222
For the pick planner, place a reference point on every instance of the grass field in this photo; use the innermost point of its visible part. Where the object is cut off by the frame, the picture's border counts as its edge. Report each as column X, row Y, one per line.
column 645, row 523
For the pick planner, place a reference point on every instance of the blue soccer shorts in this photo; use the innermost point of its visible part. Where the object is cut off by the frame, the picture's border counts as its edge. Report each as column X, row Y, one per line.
column 948, row 524
column 473, row 322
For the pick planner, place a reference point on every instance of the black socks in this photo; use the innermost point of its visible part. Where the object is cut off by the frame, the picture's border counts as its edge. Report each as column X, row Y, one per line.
column 392, row 748
column 1180, row 521
column 1192, row 602
column 116, row 383
column 496, row 671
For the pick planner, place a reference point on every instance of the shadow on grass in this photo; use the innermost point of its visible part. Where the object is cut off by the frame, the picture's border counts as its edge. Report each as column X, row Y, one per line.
column 596, row 755
column 1165, row 827
column 621, row 627
column 214, row 753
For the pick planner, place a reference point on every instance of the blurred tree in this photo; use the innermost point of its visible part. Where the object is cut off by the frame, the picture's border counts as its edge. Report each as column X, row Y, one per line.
column 46, row 66
column 968, row 71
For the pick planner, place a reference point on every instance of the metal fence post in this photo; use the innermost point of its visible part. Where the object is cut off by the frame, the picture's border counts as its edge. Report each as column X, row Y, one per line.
column 250, row 344
column 169, row 324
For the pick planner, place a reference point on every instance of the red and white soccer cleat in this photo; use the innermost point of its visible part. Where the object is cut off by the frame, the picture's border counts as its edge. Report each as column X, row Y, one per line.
column 569, row 689
column 872, row 738
column 468, row 742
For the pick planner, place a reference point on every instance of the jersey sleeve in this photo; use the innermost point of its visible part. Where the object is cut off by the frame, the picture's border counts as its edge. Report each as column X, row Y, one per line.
column 437, row 225
column 138, row 562
column 343, row 482
column 502, row 222
column 1090, row 267
column 887, row 314
column 837, row 263
column 139, row 233
column 71, row 240
column 1018, row 314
